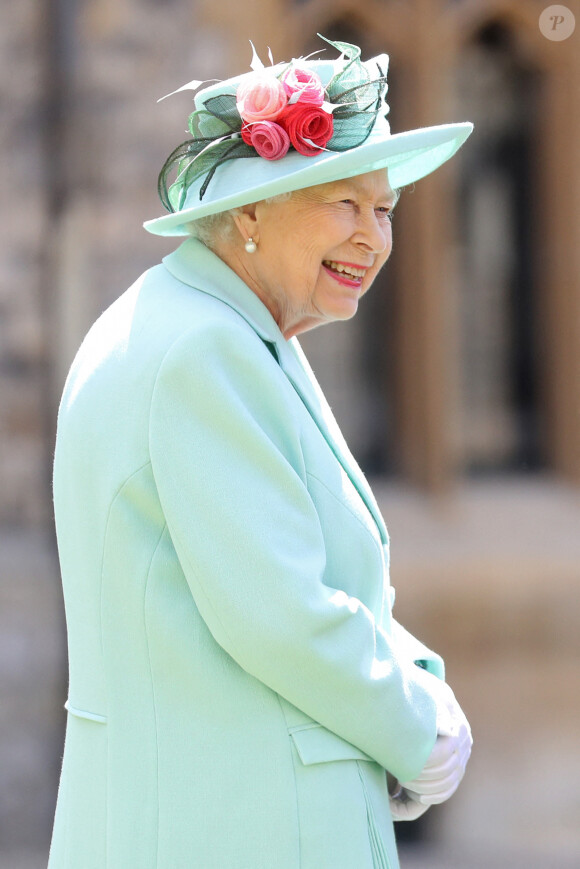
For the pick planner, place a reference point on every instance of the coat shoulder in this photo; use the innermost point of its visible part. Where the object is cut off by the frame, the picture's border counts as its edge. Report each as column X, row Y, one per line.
column 156, row 317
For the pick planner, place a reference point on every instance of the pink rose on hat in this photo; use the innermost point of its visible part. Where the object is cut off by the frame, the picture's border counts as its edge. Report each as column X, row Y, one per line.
column 260, row 97
column 310, row 127
column 303, row 86
column 279, row 113
column 269, row 139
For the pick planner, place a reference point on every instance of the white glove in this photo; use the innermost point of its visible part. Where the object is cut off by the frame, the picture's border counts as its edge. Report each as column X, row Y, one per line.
column 405, row 807
column 445, row 767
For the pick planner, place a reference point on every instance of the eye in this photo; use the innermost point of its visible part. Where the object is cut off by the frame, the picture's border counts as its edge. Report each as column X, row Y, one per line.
column 385, row 212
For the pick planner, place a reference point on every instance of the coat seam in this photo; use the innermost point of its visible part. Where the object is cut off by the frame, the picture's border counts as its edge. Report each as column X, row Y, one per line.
column 378, row 543
column 103, row 551
column 293, row 765
column 152, row 681
column 112, row 502
column 378, row 853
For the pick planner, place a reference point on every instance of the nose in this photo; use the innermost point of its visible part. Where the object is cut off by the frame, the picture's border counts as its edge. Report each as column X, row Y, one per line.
column 373, row 232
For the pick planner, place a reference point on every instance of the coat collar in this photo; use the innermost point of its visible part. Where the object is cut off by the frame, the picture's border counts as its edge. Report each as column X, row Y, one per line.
column 194, row 264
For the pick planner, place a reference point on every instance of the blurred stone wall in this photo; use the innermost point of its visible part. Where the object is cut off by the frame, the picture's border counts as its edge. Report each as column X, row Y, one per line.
column 23, row 349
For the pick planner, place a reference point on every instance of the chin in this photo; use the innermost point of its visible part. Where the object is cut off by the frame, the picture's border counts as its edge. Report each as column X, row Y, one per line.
column 346, row 311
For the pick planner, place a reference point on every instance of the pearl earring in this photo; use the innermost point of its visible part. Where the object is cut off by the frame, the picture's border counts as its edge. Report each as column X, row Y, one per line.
column 251, row 246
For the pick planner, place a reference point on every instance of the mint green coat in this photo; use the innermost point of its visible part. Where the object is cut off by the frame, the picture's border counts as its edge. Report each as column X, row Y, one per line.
column 237, row 684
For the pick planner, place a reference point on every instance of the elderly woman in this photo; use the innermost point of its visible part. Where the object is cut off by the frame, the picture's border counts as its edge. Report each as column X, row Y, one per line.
column 240, row 696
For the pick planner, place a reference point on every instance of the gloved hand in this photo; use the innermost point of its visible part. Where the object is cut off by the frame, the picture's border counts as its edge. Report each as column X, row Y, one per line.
column 445, row 767
column 405, row 807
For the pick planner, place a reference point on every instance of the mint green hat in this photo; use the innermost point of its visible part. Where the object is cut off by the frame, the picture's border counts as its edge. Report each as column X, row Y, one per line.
column 289, row 126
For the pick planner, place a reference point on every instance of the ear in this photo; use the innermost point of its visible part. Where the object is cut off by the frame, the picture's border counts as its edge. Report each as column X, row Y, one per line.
column 246, row 221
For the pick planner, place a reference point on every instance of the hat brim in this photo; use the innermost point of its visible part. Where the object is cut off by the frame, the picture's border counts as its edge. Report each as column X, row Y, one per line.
column 407, row 156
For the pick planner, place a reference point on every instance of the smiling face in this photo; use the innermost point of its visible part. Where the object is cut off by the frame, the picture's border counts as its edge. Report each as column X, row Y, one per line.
column 317, row 252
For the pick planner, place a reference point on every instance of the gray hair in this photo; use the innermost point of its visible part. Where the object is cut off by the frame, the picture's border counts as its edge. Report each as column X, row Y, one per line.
column 221, row 225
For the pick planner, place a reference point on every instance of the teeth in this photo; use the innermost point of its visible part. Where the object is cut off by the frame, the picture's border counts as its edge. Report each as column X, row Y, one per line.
column 348, row 270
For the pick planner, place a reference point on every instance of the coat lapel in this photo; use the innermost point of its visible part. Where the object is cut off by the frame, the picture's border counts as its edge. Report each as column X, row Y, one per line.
column 299, row 372
column 194, row 264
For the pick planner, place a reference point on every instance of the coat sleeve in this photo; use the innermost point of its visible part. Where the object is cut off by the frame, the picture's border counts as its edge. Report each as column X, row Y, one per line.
column 228, row 465
column 412, row 648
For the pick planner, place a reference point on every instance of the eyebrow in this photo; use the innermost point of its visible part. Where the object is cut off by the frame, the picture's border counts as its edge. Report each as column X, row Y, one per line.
column 391, row 196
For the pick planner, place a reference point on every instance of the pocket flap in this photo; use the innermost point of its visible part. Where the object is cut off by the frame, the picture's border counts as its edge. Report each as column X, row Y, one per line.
column 316, row 744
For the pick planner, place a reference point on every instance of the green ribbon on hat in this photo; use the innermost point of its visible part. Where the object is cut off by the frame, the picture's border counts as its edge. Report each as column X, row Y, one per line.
column 355, row 99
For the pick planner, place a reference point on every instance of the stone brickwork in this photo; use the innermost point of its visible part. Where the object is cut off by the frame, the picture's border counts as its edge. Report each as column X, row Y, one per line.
column 22, row 340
